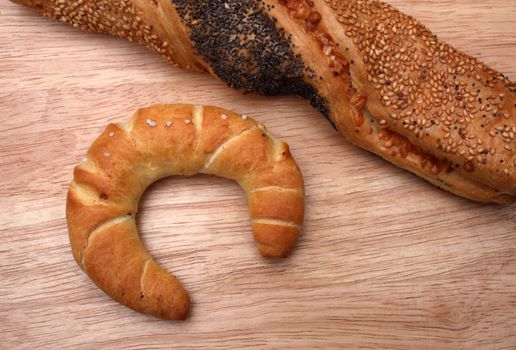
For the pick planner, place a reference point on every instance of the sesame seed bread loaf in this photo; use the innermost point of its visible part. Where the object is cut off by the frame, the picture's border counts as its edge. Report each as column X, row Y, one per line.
column 167, row 140
column 380, row 77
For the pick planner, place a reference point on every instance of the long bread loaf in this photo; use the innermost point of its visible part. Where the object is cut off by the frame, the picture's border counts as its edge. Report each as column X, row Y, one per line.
column 382, row 78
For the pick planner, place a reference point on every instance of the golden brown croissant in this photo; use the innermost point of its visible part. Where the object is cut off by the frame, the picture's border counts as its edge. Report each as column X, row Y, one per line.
column 383, row 79
column 169, row 140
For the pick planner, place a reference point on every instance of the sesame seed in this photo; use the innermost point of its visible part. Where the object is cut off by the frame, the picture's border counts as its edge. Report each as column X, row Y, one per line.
column 151, row 123
column 223, row 117
column 188, row 121
column 107, row 154
column 168, row 123
column 111, row 134
column 245, row 117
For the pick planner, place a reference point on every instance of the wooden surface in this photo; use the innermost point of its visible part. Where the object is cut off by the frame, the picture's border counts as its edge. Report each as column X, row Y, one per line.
column 386, row 261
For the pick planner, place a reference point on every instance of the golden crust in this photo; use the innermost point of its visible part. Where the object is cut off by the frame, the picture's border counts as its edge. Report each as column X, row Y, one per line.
column 169, row 140
column 288, row 206
column 275, row 240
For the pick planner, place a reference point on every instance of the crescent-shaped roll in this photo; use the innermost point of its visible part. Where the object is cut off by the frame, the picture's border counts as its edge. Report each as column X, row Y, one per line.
column 168, row 140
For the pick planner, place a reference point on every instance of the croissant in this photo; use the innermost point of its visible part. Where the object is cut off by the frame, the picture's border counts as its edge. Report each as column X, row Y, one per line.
column 381, row 78
column 167, row 140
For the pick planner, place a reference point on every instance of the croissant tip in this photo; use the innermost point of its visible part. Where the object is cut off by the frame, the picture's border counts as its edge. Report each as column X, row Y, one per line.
column 182, row 309
column 179, row 312
column 273, row 252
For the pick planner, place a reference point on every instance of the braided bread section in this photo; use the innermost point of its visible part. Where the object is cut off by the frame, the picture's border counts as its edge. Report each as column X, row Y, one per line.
column 383, row 79
column 167, row 140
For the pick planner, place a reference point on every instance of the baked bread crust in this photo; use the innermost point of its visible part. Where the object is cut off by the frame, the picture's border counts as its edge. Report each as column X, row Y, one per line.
column 167, row 140
column 382, row 78
column 460, row 139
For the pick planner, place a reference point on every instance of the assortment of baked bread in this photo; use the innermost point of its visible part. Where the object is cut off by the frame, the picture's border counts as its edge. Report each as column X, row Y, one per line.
column 379, row 76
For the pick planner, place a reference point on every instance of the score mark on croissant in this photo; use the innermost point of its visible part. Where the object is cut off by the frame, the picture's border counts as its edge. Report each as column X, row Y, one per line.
column 166, row 140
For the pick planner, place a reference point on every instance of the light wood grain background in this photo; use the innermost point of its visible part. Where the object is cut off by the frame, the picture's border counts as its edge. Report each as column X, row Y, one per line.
column 386, row 261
